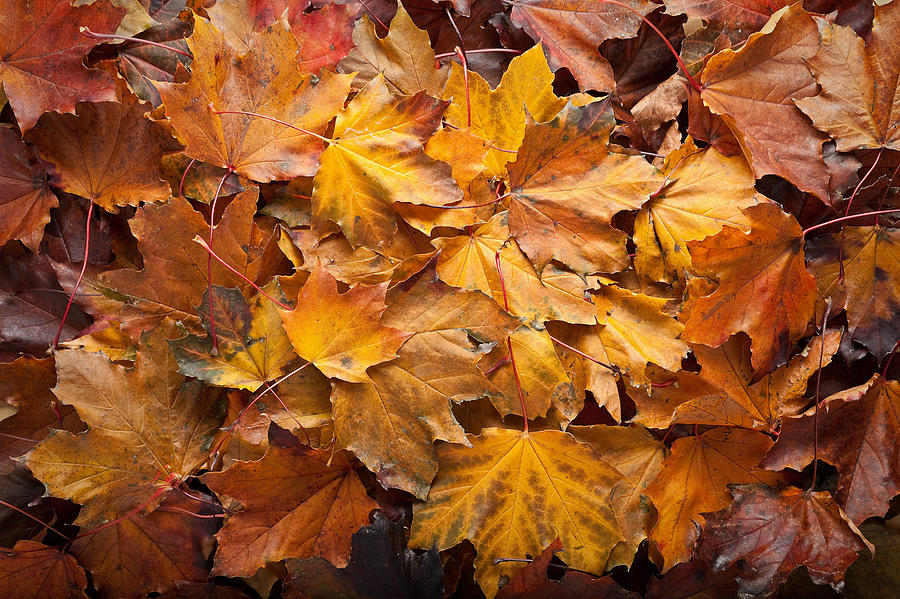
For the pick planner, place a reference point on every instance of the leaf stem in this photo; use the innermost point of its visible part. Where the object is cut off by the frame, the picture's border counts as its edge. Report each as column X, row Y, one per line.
column 184, row 176
column 87, row 248
column 494, row 201
column 845, row 218
column 609, row 367
column 478, row 51
column 847, row 211
column 887, row 364
column 199, row 240
column 35, row 518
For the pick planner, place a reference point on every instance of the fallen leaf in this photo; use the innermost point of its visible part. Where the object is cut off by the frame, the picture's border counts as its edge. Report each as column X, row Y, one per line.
column 776, row 531
column 341, row 333
column 42, row 66
column 764, row 287
column 297, row 503
column 35, row 570
column 25, row 196
column 511, row 494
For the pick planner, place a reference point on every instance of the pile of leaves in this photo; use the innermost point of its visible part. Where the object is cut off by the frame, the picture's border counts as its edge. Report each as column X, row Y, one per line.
column 513, row 298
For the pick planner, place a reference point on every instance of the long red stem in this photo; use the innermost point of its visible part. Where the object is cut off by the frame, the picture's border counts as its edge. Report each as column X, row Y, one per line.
column 512, row 357
column 156, row 494
column 612, row 369
column 887, row 189
column 851, row 217
column 206, row 501
column 39, row 521
column 288, row 410
column 199, row 240
column 465, row 64
column 184, row 176
column 87, row 248
column 109, row 36
column 209, row 258
column 818, row 382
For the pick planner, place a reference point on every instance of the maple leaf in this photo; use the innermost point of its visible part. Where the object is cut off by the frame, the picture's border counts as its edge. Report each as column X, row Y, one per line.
column 25, row 197
column 856, row 428
column 470, row 262
column 376, row 158
column 866, row 284
column 252, row 345
column 764, row 287
column 498, row 115
column 559, row 166
column 694, row 479
column 726, row 392
column 173, row 279
column 859, row 99
column 240, row 20
column 684, row 210
column 259, row 149
column 42, row 54
column 571, row 31
column 107, row 152
column 404, row 57
column 778, row 530
column 341, row 333
column 137, row 554
column 35, row 570
column 142, row 422
column 296, row 504
column 383, row 423
column 512, row 493
column 753, row 90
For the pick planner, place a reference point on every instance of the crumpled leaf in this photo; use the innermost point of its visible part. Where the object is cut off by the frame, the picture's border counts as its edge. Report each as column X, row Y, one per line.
column 145, row 424
column 25, row 196
column 566, row 186
column 857, row 432
column 253, row 147
column 694, row 479
column 404, row 57
column 860, row 103
column 376, row 158
column 754, row 90
column 776, row 531
column 511, row 494
column 252, row 345
column 341, row 333
column 107, row 152
column 724, row 391
column 685, row 210
column 571, row 31
column 498, row 115
column 297, row 503
column 764, row 287
column 42, row 52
